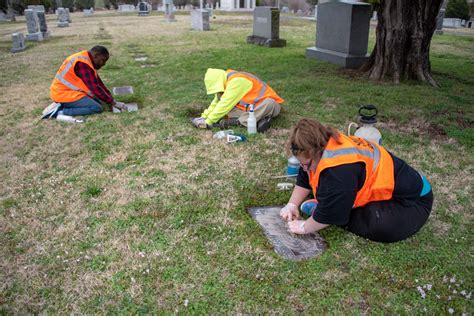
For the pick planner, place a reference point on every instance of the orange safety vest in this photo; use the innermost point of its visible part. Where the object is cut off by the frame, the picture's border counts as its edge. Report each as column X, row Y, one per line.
column 259, row 92
column 379, row 174
column 67, row 86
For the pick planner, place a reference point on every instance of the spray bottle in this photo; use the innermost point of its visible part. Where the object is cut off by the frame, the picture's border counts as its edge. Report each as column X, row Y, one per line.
column 251, row 122
column 366, row 129
column 68, row 119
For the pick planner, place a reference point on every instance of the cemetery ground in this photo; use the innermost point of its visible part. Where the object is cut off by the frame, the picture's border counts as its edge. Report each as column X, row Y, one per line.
column 140, row 212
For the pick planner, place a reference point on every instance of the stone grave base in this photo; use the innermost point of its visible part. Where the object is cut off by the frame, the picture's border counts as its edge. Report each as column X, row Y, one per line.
column 122, row 90
column 287, row 245
column 344, row 60
column 46, row 34
column 38, row 36
column 131, row 107
column 268, row 42
column 63, row 24
column 19, row 49
column 144, row 13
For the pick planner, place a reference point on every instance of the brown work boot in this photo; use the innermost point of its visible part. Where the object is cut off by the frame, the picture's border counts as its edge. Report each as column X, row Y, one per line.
column 264, row 124
column 226, row 123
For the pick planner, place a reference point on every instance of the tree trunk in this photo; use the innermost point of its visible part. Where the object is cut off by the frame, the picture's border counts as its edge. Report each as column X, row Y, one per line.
column 404, row 32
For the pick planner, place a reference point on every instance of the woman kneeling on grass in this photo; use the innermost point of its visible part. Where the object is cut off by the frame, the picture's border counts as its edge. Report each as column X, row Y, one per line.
column 358, row 186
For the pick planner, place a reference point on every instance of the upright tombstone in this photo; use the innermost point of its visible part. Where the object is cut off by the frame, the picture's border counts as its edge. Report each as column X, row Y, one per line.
column 266, row 28
column 200, row 20
column 439, row 22
column 68, row 14
column 316, row 12
column 169, row 16
column 88, row 12
column 42, row 24
column 342, row 33
column 62, row 18
column 143, row 9
column 18, row 44
column 32, row 23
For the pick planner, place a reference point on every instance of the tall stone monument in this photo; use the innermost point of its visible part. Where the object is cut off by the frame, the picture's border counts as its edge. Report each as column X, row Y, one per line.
column 440, row 18
column 18, row 44
column 200, row 20
column 42, row 24
column 32, row 23
column 62, row 17
column 266, row 27
column 169, row 16
column 342, row 33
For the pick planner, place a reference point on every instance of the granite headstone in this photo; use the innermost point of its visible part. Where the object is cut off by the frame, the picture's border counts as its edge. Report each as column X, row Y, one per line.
column 32, row 24
column 18, row 44
column 266, row 27
column 200, row 20
column 62, row 18
column 342, row 33
column 43, row 25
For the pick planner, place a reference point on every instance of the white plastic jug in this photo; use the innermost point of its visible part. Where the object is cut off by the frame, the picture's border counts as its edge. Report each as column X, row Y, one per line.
column 366, row 129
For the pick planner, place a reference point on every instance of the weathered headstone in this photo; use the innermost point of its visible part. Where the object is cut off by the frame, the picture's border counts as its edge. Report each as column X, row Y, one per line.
column 68, row 14
column 169, row 16
column 32, row 23
column 18, row 44
column 42, row 25
column 470, row 24
column 122, row 90
column 439, row 22
column 37, row 8
column 287, row 245
column 342, row 33
column 266, row 27
column 200, row 20
column 316, row 12
column 87, row 12
column 143, row 9
column 62, row 18
column 131, row 107
column 285, row 10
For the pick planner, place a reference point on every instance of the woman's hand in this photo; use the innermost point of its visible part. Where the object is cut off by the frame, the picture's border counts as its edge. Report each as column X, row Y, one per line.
column 290, row 212
column 297, row 227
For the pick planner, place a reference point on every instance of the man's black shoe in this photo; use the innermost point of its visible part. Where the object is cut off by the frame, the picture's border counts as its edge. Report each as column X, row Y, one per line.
column 264, row 124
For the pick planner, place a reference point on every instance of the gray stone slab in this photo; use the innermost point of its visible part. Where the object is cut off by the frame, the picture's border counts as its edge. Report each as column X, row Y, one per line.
column 200, row 20
column 131, row 107
column 122, row 90
column 18, row 43
column 32, row 21
column 287, row 245
column 266, row 28
column 35, row 37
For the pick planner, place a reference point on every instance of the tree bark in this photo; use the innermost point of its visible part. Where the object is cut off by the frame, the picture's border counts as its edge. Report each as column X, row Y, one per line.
column 403, row 37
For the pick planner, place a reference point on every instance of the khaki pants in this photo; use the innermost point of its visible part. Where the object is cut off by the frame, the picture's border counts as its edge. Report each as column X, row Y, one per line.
column 267, row 108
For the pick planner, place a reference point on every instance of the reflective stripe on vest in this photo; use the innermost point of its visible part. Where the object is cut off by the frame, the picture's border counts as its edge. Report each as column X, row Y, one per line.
column 260, row 94
column 68, row 84
column 375, row 155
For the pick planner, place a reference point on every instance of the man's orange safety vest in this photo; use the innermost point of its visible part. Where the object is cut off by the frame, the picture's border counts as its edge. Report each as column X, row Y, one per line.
column 379, row 174
column 67, row 86
column 259, row 92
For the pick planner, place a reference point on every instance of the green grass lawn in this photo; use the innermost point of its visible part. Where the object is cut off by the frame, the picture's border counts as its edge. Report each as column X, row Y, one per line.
column 142, row 213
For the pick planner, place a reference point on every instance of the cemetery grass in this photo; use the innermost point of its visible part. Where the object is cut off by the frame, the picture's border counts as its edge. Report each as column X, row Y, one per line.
column 142, row 213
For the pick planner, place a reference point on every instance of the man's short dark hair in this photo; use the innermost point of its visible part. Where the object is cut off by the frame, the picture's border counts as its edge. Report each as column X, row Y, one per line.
column 99, row 50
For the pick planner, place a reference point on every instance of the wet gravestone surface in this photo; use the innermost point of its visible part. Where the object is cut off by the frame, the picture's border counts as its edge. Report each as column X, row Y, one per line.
column 122, row 90
column 288, row 245
column 131, row 107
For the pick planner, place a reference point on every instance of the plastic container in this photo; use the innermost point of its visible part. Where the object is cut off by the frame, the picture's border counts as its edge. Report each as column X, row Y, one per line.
column 366, row 127
column 293, row 166
column 223, row 134
column 251, row 122
column 68, row 119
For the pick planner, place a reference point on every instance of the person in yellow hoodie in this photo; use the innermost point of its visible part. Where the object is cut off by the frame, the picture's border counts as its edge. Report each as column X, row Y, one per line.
column 235, row 93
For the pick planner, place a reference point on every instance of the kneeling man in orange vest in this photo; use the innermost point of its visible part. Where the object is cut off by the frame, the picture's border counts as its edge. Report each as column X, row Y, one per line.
column 358, row 185
column 235, row 93
column 77, row 89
